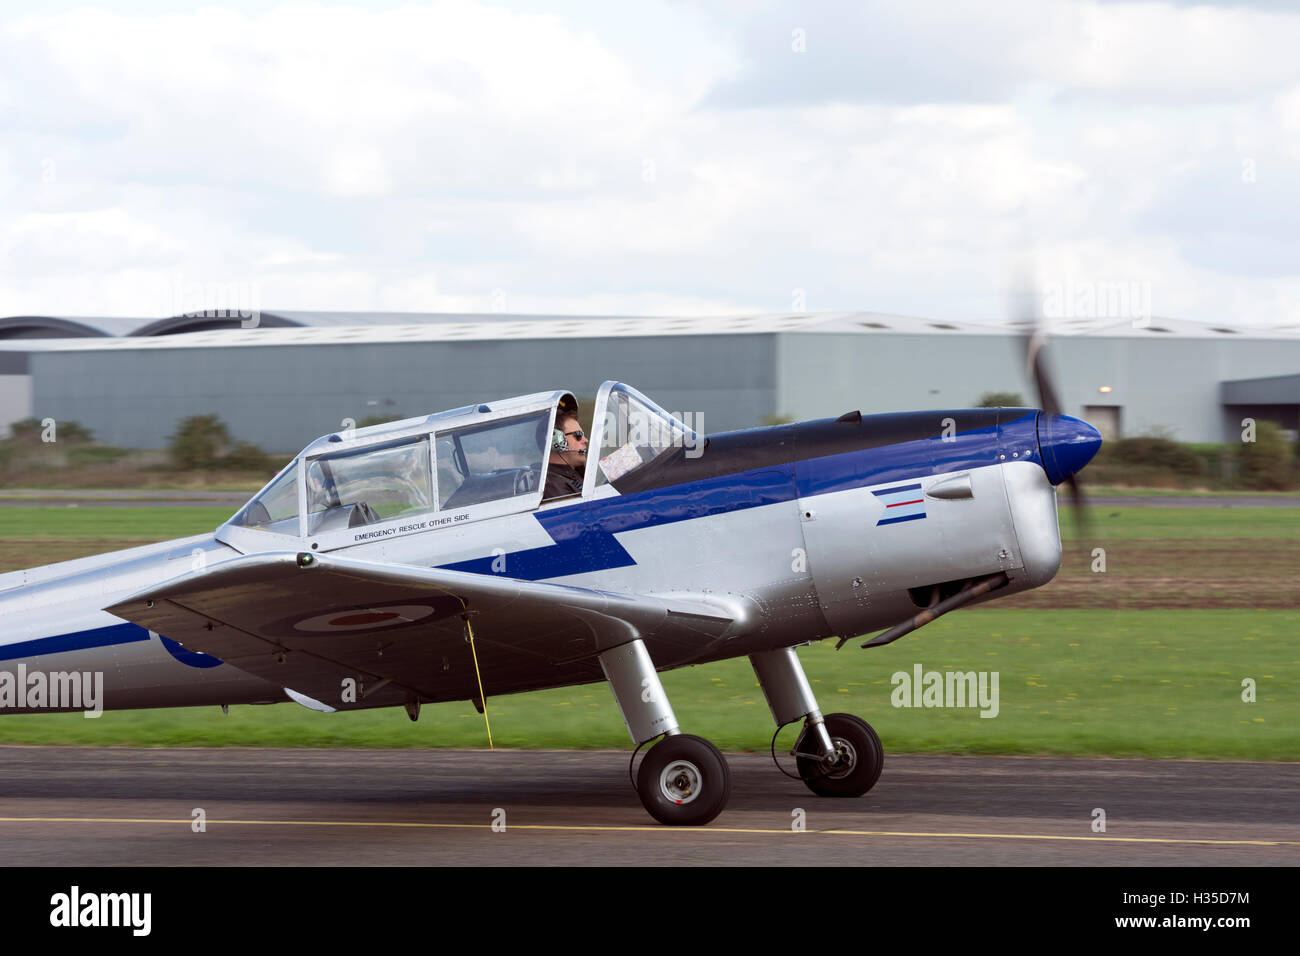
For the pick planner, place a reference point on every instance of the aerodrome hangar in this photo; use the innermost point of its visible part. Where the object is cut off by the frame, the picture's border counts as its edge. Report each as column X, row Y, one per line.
column 280, row 379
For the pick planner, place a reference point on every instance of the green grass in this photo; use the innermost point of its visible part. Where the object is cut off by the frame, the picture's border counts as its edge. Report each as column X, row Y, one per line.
column 1127, row 492
column 1185, row 523
column 1150, row 683
column 142, row 524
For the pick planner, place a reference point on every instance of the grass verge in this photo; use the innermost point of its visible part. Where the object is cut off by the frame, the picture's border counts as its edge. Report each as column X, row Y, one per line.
column 1150, row 683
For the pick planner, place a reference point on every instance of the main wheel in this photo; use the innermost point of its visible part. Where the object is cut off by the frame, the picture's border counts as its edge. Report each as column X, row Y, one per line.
column 859, row 758
column 684, row 781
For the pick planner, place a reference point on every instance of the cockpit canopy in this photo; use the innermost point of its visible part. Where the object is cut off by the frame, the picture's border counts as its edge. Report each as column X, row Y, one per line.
column 454, row 460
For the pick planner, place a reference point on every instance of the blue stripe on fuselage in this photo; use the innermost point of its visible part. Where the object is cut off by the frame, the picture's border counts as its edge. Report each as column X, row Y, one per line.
column 77, row 641
column 109, row 636
column 584, row 533
column 909, row 459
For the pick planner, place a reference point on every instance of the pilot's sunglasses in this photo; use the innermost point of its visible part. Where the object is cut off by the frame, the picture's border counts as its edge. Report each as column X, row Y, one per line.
column 578, row 434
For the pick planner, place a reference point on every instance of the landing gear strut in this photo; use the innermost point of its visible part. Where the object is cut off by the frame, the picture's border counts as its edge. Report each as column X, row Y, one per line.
column 683, row 780
column 838, row 755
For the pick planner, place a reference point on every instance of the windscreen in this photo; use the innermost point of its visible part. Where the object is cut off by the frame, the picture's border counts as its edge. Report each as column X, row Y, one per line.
column 275, row 507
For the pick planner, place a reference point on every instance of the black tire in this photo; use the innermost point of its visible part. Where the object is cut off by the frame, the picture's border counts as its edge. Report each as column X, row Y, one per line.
column 859, row 745
column 684, row 781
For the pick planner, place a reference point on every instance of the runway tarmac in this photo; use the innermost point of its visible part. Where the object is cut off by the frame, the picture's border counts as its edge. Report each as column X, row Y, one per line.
column 122, row 807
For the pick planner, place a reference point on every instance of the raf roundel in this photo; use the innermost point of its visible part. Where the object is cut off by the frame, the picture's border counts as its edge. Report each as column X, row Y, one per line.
column 365, row 619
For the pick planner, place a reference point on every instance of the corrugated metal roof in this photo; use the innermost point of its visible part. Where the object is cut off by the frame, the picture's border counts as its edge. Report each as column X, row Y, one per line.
column 328, row 329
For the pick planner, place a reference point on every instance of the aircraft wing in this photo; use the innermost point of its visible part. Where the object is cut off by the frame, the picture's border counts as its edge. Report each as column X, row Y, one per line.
column 309, row 622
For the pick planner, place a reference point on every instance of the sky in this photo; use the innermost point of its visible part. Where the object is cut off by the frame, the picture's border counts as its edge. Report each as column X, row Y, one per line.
column 663, row 158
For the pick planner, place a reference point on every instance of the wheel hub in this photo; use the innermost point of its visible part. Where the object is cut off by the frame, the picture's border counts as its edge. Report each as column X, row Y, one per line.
column 681, row 781
column 841, row 764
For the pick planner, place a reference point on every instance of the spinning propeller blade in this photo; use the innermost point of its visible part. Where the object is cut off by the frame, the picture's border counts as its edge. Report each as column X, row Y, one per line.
column 1068, row 444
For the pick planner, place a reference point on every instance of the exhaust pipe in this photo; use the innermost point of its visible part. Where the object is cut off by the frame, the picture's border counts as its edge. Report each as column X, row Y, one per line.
column 964, row 596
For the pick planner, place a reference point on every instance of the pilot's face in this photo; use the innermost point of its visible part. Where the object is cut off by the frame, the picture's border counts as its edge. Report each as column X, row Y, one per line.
column 572, row 430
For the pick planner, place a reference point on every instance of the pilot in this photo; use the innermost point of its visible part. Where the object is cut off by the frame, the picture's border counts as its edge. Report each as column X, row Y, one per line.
column 568, row 458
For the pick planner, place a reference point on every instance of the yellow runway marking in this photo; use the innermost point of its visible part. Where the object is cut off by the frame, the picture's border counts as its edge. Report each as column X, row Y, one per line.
column 654, row 829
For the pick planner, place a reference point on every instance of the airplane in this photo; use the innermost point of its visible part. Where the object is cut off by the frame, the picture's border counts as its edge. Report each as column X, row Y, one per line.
column 421, row 561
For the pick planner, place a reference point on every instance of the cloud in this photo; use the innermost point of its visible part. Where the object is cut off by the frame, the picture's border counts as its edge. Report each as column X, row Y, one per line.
column 419, row 158
column 931, row 51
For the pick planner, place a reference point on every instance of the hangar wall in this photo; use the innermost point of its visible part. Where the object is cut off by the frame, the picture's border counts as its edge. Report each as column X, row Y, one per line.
column 826, row 375
column 1159, row 382
column 15, row 390
column 281, row 397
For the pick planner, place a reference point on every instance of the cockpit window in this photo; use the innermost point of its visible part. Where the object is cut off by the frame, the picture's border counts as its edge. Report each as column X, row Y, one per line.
column 356, row 488
column 275, row 507
column 499, row 459
column 637, row 432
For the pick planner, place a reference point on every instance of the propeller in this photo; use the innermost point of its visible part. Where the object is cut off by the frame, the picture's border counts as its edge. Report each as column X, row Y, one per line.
column 1067, row 443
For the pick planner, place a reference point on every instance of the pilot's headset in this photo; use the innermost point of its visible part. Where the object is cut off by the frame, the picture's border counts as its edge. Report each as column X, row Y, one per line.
column 560, row 443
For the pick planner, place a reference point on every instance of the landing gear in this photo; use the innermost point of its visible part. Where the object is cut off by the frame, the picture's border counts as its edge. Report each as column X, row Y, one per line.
column 855, row 766
column 684, row 781
column 838, row 755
